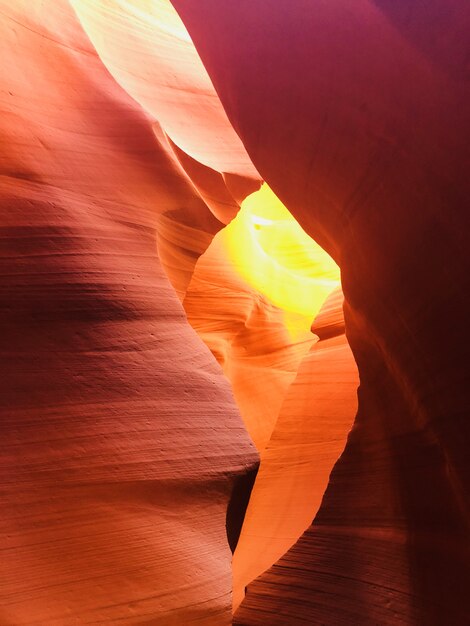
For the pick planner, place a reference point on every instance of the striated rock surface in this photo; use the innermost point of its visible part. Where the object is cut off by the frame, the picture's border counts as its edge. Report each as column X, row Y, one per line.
column 147, row 49
column 309, row 435
column 121, row 441
column 297, row 396
column 355, row 114
column 125, row 464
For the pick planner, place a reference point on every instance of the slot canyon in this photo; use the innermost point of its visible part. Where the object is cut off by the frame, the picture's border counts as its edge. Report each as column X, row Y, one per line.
column 234, row 278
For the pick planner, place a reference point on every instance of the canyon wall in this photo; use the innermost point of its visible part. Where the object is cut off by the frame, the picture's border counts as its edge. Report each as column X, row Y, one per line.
column 126, row 464
column 121, row 441
column 356, row 115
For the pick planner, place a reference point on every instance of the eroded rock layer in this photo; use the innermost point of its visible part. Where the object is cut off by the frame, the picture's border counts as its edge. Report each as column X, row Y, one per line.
column 309, row 435
column 355, row 114
column 121, row 441
column 125, row 462
column 296, row 394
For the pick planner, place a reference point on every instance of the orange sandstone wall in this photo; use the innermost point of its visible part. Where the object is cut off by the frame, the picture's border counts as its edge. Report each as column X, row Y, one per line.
column 121, row 442
column 296, row 390
column 309, row 434
column 120, row 438
column 355, row 113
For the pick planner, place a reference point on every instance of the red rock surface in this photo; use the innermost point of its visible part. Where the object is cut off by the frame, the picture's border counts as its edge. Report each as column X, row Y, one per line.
column 310, row 432
column 356, row 115
column 121, row 441
column 147, row 49
column 297, row 396
column 125, row 462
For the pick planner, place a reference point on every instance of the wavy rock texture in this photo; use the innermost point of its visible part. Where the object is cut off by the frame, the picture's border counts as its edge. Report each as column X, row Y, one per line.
column 310, row 431
column 184, row 234
column 355, row 114
column 248, row 336
column 125, row 463
column 121, row 441
column 296, row 396
column 147, row 49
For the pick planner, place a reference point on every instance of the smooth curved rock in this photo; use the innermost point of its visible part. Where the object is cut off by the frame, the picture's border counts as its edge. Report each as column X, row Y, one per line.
column 296, row 394
column 310, row 433
column 147, row 49
column 121, row 441
column 355, row 113
column 125, row 464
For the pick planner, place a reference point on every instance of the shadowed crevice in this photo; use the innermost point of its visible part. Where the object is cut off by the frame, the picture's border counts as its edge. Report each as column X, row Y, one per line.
column 238, row 504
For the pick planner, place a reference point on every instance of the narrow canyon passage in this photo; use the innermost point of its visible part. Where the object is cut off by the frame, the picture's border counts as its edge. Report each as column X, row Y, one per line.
column 252, row 298
column 180, row 182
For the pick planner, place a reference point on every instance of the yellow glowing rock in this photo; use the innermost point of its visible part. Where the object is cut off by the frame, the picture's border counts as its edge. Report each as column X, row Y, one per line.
column 275, row 256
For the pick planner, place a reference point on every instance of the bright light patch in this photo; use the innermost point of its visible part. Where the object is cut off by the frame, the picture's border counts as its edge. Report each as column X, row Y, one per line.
column 276, row 257
column 261, row 221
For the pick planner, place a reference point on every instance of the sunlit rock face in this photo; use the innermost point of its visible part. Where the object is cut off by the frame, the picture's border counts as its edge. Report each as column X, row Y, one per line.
column 146, row 47
column 252, row 298
column 355, row 113
column 162, row 171
column 309, row 434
